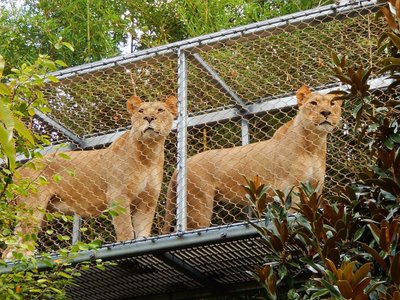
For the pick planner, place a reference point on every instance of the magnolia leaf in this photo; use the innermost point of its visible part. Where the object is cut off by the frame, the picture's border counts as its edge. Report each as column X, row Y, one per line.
column 376, row 256
column 361, row 273
column 384, row 240
column 391, row 60
column 348, row 271
column 395, row 268
column 389, row 18
column 272, row 284
column 359, row 288
column 395, row 39
column 345, row 289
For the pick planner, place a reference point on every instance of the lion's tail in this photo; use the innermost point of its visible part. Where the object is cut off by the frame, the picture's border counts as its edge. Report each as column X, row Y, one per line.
column 170, row 206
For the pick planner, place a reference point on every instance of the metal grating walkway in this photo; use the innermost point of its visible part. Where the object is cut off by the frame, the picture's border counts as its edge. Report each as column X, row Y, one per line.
column 200, row 263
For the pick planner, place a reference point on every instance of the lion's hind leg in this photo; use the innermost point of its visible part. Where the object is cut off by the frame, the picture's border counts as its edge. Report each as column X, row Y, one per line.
column 29, row 219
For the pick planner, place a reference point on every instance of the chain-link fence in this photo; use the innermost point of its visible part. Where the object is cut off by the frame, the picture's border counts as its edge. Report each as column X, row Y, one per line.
column 234, row 88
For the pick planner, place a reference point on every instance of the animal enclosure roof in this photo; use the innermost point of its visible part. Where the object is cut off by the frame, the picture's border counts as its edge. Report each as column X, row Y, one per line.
column 229, row 69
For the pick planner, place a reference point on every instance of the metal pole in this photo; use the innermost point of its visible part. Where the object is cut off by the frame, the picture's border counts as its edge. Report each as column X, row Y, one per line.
column 76, row 233
column 181, row 208
column 244, row 125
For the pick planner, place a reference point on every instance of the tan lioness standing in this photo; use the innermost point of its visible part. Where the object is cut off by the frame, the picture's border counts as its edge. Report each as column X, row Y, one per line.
column 128, row 174
column 295, row 154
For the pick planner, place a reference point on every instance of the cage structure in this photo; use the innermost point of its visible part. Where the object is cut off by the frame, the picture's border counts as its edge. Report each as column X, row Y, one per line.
column 234, row 88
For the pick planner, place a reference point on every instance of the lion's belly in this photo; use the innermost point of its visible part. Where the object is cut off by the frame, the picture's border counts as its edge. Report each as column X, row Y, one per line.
column 84, row 197
column 229, row 185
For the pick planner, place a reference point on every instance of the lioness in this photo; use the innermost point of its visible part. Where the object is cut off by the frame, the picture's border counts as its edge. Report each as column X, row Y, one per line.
column 127, row 174
column 296, row 153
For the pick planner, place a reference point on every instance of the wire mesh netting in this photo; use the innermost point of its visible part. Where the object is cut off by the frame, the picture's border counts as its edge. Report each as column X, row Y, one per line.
column 240, row 88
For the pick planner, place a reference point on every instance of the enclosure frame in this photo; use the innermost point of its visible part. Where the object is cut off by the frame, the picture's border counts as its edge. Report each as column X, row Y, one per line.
column 189, row 50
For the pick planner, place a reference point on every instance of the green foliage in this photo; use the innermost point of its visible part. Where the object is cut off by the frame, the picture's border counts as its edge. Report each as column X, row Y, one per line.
column 93, row 28
column 343, row 246
column 20, row 97
column 97, row 29
column 159, row 22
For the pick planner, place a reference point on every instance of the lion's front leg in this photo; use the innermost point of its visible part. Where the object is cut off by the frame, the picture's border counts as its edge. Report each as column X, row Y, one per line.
column 143, row 212
column 122, row 220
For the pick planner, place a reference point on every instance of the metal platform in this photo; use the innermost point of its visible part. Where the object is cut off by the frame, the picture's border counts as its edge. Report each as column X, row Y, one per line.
column 199, row 263
column 208, row 262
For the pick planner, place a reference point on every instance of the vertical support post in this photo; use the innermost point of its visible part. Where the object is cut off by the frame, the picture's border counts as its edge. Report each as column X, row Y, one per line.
column 245, row 132
column 76, row 233
column 181, row 205
column 244, row 125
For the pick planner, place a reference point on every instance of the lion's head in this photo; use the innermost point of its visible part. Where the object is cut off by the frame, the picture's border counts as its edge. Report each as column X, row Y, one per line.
column 318, row 112
column 152, row 120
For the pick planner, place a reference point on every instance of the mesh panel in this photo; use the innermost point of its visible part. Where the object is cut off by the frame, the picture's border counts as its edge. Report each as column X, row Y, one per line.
column 240, row 90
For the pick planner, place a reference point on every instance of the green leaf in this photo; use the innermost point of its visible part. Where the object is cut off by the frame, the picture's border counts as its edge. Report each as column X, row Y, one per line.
column 4, row 89
column 359, row 233
column 64, row 156
column 61, row 63
column 6, row 117
column 57, row 178
column 23, row 131
column 319, row 293
column 42, row 180
column 8, row 147
column 2, row 65
column 68, row 45
column 52, row 78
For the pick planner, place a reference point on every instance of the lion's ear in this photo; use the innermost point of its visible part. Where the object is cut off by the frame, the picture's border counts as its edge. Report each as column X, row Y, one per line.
column 133, row 104
column 338, row 101
column 172, row 104
column 302, row 94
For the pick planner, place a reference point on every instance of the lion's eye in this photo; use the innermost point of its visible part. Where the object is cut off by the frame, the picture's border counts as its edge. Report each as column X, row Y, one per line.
column 314, row 103
column 160, row 110
column 141, row 110
column 333, row 103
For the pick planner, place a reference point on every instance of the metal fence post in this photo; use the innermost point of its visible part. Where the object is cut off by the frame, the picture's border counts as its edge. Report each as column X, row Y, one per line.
column 181, row 208
column 244, row 128
column 76, row 233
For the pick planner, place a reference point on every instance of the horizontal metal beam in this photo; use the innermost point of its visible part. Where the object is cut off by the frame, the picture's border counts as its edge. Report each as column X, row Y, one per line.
column 269, row 27
column 56, row 125
column 187, row 269
column 157, row 244
column 46, row 150
column 258, row 107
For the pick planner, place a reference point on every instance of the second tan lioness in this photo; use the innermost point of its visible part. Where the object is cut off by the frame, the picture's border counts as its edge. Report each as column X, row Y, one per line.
column 127, row 174
column 295, row 154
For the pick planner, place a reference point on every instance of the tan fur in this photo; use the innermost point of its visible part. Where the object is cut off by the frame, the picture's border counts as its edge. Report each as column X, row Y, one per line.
column 127, row 174
column 295, row 154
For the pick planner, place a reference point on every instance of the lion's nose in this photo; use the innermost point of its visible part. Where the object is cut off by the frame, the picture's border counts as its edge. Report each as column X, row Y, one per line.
column 325, row 113
column 149, row 118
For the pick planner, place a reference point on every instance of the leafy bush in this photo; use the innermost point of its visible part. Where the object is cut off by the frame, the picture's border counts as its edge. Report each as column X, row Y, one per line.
column 20, row 97
column 345, row 246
